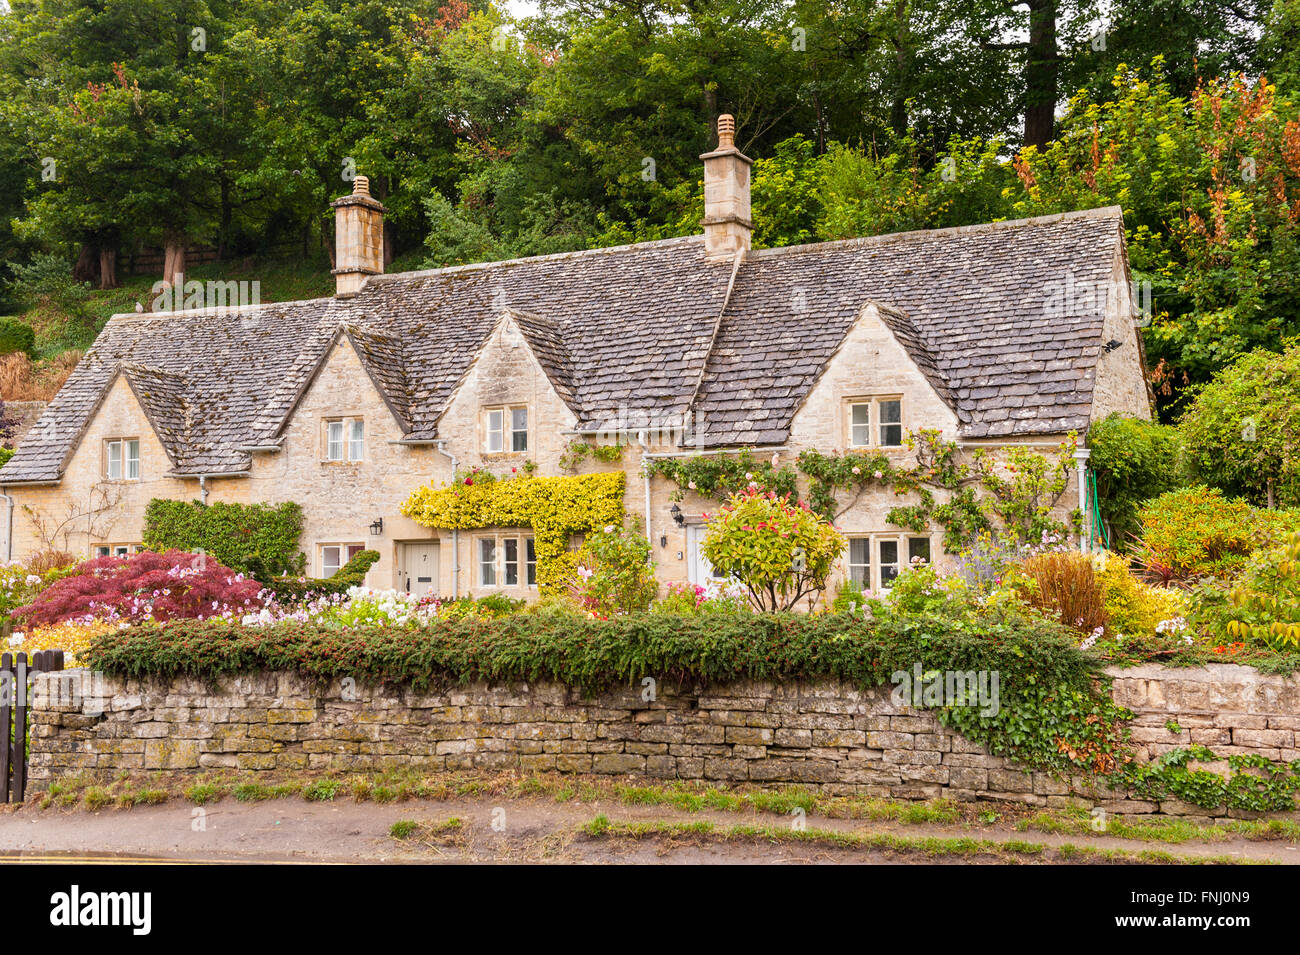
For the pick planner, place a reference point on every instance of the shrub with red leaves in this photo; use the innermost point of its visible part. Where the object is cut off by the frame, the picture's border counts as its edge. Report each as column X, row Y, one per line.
column 146, row 586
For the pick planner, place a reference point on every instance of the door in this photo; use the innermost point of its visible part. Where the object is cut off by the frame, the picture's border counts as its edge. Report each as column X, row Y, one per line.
column 697, row 567
column 418, row 568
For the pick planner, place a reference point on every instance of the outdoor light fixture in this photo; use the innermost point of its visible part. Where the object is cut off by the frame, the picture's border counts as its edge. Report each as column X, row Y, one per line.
column 1111, row 345
column 676, row 512
column 377, row 528
column 663, row 538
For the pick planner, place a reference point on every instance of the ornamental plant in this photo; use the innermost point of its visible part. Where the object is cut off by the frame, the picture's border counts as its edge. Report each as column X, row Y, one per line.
column 260, row 540
column 1194, row 532
column 615, row 574
column 1265, row 603
column 145, row 587
column 775, row 547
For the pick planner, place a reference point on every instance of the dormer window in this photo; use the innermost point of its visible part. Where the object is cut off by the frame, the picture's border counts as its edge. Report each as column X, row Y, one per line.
column 345, row 439
column 876, row 423
column 505, row 429
column 122, row 459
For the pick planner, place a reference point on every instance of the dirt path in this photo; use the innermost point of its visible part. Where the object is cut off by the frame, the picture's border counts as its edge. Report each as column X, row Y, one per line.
column 541, row 830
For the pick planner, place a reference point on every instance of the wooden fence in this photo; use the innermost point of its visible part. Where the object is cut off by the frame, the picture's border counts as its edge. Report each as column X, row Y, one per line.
column 15, row 686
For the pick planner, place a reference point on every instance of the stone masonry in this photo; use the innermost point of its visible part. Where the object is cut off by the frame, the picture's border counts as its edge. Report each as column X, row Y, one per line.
column 826, row 734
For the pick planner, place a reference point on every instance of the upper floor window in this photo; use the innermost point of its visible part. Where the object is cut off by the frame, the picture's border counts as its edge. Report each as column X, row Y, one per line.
column 505, row 429
column 876, row 423
column 122, row 459
column 345, row 439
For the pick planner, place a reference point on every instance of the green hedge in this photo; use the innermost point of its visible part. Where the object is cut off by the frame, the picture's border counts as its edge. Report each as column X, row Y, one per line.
column 1052, row 711
column 16, row 336
column 351, row 574
column 260, row 540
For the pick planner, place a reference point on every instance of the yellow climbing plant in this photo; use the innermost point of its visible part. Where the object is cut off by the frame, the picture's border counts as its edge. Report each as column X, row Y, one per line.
column 554, row 507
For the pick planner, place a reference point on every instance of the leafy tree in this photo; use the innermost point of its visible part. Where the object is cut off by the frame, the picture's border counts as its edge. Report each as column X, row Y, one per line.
column 1134, row 460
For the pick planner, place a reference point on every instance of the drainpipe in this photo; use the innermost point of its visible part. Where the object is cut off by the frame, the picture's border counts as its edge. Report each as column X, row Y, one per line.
column 645, row 448
column 203, row 488
column 455, row 534
column 1081, row 470
column 9, row 525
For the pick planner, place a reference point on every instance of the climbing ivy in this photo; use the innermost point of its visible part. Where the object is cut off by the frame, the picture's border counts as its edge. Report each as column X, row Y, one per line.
column 554, row 507
column 260, row 540
column 579, row 450
column 720, row 476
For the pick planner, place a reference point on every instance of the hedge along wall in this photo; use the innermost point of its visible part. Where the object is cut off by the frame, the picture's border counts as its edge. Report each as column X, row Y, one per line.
column 825, row 733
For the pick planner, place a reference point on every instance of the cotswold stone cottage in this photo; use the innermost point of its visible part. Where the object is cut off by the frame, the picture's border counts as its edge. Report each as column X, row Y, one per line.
column 1013, row 333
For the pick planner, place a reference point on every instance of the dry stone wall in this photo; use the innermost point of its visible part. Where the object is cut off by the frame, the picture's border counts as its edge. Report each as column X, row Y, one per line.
column 826, row 734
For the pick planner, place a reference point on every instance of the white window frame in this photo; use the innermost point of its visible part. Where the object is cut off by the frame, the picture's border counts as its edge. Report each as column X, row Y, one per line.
column 345, row 440
column 867, row 583
column 500, row 435
column 487, row 575
column 344, row 552
column 875, row 424
column 117, row 550
column 876, row 565
column 122, row 459
column 523, row 566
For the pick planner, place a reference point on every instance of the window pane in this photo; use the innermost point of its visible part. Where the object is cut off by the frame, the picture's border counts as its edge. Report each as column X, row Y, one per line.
column 494, row 429
column 329, row 561
column 487, row 562
column 133, row 459
column 334, row 451
column 891, row 428
column 530, row 556
column 356, row 441
column 512, row 561
column 121, row 550
column 354, row 549
column 860, row 429
column 918, row 549
column 518, row 429
column 862, row 414
column 102, row 551
column 888, row 562
column 860, row 561
column 115, row 460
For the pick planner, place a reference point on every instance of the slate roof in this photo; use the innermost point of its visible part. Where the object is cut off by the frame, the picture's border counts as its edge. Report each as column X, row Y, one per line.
column 638, row 335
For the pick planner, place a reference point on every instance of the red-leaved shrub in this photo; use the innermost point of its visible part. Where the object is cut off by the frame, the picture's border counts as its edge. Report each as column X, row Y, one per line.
column 145, row 586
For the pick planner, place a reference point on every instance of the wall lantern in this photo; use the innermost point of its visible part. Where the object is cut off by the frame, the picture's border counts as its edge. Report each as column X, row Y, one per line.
column 676, row 512
column 663, row 538
column 377, row 528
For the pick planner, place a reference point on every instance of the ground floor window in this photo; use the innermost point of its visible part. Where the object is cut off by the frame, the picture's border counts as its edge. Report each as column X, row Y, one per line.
column 874, row 561
column 334, row 556
column 117, row 550
column 507, row 560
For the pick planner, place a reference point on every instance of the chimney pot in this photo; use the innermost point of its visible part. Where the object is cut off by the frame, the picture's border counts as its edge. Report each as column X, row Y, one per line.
column 358, row 238
column 727, row 225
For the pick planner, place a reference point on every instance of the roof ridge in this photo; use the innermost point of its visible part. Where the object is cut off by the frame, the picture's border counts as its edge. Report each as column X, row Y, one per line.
column 221, row 309
column 549, row 257
column 1098, row 212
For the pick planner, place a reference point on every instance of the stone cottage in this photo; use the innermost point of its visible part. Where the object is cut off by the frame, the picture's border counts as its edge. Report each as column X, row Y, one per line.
column 1011, row 333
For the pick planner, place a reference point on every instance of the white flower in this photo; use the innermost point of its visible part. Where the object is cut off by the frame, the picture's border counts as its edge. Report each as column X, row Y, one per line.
column 749, row 475
column 32, row 580
column 691, row 485
column 17, row 640
column 609, row 528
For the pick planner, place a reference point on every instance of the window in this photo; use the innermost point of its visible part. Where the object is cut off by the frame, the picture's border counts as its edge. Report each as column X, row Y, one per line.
column 512, row 561
column 885, row 414
column 890, row 415
column 918, row 550
column 345, row 439
column 487, row 562
column 122, row 459
column 860, row 561
column 334, row 556
column 117, row 550
column 860, row 426
column 505, row 429
column 888, row 563
column 530, row 561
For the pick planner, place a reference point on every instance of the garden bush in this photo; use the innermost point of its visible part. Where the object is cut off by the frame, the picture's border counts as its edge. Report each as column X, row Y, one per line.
column 1134, row 608
column 1264, row 605
column 1134, row 460
column 1194, row 532
column 614, row 573
column 776, row 548
column 144, row 586
column 1065, row 586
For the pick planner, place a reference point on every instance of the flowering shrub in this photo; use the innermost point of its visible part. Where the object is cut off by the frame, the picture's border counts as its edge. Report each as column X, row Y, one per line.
column 1265, row 603
column 776, row 548
column 72, row 638
column 145, row 586
column 20, row 583
column 690, row 600
column 614, row 573
column 357, row 607
column 1134, row 608
column 1194, row 532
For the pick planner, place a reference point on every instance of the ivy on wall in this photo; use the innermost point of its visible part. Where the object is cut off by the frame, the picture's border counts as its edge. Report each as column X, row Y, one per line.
column 1019, row 496
column 260, row 540
column 554, row 507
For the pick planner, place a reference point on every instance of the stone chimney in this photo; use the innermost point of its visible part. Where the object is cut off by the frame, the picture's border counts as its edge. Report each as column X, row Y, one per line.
column 726, row 196
column 358, row 238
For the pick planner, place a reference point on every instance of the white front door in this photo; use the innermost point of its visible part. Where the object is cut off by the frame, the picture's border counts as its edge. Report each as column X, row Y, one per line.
column 698, row 569
column 418, row 569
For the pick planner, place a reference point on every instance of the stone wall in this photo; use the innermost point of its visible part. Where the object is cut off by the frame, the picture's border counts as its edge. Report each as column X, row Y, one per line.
column 826, row 734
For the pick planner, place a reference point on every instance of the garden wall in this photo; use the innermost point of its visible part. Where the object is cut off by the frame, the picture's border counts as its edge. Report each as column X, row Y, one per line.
column 825, row 733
